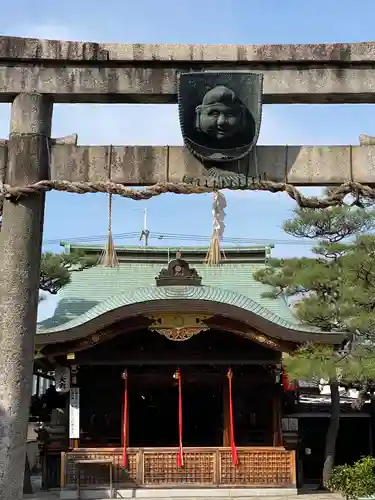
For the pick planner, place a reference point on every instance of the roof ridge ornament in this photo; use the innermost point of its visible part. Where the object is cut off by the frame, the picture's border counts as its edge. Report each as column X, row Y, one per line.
column 178, row 273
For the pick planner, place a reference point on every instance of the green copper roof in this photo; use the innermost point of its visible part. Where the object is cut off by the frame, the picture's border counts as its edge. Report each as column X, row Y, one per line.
column 97, row 290
column 193, row 254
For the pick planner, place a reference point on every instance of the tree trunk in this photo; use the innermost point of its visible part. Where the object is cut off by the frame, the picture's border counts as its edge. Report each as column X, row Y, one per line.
column 332, row 433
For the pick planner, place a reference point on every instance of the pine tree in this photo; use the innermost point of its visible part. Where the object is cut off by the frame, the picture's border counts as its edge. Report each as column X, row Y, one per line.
column 332, row 291
column 56, row 269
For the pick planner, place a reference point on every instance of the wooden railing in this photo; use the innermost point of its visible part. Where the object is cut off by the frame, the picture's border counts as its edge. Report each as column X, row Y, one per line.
column 204, row 467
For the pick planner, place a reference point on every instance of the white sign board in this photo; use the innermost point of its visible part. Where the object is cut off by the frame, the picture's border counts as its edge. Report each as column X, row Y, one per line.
column 74, row 413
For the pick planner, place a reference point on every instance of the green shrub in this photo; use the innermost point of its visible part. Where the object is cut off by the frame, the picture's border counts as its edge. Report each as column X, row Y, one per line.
column 354, row 481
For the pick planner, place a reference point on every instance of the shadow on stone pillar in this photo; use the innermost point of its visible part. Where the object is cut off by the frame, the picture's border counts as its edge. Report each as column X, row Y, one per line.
column 27, row 486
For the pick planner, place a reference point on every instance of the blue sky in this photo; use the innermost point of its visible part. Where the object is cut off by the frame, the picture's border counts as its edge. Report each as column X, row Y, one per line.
column 249, row 215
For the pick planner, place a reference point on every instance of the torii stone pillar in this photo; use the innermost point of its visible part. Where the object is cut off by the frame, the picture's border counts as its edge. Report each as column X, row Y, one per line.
column 20, row 249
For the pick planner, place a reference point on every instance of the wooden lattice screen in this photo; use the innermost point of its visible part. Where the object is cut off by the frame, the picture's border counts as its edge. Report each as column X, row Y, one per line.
column 154, row 467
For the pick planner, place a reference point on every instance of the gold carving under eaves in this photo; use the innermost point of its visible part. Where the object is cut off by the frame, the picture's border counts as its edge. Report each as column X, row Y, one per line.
column 262, row 339
column 179, row 326
column 179, row 334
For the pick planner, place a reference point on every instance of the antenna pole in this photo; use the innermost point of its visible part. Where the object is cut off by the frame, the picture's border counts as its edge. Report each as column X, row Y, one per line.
column 145, row 219
column 146, row 232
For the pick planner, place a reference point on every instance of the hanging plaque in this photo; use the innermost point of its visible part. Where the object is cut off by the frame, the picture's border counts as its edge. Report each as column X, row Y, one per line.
column 74, row 413
column 62, row 379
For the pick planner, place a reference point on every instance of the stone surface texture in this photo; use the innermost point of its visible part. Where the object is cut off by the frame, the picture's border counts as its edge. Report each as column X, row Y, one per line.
column 113, row 72
column 64, row 50
column 145, row 165
column 20, row 248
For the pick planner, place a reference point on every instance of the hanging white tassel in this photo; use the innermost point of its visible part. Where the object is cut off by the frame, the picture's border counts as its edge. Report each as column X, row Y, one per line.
column 213, row 256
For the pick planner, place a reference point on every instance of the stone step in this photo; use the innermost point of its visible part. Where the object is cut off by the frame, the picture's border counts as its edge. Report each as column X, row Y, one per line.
column 204, row 494
column 182, row 493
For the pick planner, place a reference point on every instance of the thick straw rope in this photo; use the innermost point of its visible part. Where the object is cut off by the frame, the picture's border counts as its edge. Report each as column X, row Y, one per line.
column 335, row 197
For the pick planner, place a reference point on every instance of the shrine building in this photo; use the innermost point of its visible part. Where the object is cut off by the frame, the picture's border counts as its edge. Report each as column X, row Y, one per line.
column 169, row 374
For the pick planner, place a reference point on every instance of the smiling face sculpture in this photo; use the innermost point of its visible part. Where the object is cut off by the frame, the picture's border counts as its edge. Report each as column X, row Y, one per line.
column 221, row 114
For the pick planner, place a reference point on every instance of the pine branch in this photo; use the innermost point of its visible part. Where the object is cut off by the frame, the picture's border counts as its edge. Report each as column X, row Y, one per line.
column 56, row 269
column 334, row 290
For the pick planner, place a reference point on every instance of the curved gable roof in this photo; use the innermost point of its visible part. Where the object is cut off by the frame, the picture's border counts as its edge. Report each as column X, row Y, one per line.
column 95, row 297
column 203, row 293
column 93, row 286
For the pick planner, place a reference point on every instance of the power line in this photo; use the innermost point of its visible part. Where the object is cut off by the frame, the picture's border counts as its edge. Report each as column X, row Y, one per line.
column 240, row 240
column 179, row 237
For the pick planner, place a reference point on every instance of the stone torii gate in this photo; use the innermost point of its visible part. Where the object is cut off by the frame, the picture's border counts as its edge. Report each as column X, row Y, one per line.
column 34, row 74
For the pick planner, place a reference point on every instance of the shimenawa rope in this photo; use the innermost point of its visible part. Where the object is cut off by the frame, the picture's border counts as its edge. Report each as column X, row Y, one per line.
column 335, row 197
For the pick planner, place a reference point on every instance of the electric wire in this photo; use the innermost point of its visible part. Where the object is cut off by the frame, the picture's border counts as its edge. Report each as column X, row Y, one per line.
column 159, row 237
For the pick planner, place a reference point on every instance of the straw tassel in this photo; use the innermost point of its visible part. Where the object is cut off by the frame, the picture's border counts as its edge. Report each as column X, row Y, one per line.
column 108, row 257
column 213, row 256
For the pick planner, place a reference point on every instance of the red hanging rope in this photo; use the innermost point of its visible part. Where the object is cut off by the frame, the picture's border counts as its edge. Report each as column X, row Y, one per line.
column 287, row 385
column 232, row 441
column 125, row 420
column 180, row 455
